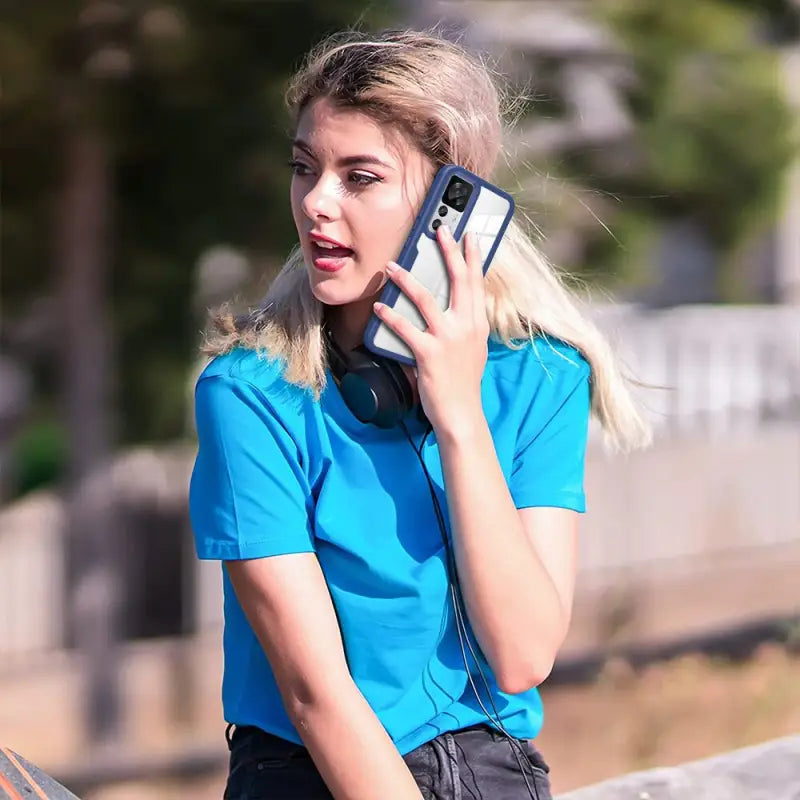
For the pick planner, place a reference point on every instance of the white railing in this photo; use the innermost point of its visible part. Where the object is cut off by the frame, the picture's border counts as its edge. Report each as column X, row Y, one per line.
column 712, row 369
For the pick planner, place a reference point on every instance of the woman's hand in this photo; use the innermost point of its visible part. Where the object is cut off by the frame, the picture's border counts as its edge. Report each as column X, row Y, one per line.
column 451, row 354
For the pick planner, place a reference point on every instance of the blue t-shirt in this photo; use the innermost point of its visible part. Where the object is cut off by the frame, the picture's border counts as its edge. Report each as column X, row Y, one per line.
column 280, row 472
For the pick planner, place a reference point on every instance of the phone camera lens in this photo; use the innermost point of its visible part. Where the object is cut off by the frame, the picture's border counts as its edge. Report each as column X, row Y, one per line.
column 442, row 211
column 457, row 194
column 436, row 223
column 456, row 191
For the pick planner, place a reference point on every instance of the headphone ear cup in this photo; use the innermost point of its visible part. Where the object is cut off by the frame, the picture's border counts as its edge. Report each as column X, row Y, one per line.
column 376, row 389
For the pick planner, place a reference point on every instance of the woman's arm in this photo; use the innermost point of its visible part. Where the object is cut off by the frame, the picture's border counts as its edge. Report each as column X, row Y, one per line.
column 517, row 590
column 287, row 603
column 516, row 567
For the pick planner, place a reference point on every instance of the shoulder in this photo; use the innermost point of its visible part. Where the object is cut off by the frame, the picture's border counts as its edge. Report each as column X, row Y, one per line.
column 241, row 364
column 540, row 392
column 530, row 362
column 246, row 375
column 536, row 380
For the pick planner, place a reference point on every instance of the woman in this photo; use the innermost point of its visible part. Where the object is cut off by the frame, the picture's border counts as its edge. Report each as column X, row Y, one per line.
column 345, row 674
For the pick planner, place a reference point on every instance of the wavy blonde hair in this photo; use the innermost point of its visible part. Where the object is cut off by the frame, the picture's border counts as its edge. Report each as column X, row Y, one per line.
column 446, row 102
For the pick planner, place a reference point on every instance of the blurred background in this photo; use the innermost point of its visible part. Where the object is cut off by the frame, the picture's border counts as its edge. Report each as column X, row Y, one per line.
column 143, row 146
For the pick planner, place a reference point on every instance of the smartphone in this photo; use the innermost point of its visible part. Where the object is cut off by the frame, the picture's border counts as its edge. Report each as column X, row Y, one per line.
column 465, row 203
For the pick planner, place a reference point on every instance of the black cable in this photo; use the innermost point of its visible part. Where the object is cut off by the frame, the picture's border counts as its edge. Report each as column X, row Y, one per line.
column 459, row 615
column 463, row 634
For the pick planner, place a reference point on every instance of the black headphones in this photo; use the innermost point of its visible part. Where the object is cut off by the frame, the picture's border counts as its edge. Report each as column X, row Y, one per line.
column 374, row 388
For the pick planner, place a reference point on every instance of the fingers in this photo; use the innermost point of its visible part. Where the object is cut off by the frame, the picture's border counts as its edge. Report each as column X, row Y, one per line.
column 467, row 297
column 472, row 257
column 474, row 261
column 456, row 266
column 419, row 294
column 406, row 330
column 466, row 273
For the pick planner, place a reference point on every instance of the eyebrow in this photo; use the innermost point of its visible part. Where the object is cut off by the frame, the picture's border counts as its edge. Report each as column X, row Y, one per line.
column 345, row 161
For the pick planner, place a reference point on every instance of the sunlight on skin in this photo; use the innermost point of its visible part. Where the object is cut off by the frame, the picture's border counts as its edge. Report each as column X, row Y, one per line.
column 367, row 203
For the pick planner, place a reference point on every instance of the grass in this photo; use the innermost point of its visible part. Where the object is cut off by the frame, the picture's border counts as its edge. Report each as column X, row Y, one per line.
column 688, row 708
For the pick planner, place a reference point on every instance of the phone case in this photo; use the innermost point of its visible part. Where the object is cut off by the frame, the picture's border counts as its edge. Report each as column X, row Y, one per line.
column 487, row 214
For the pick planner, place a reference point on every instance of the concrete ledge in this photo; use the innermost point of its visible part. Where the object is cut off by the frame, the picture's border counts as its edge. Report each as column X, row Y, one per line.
column 769, row 771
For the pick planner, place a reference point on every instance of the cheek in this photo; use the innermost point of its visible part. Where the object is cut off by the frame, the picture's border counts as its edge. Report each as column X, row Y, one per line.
column 388, row 223
column 295, row 200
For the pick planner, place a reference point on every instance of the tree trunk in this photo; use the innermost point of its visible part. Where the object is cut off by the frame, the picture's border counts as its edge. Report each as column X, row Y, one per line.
column 83, row 221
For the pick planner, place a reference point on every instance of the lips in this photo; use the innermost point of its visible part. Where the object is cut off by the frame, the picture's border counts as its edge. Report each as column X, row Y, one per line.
column 327, row 254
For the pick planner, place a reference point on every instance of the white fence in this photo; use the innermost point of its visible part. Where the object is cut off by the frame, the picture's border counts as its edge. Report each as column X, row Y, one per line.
column 720, row 368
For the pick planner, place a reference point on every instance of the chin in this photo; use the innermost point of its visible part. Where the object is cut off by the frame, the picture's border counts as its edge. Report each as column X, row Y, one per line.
column 336, row 291
column 331, row 291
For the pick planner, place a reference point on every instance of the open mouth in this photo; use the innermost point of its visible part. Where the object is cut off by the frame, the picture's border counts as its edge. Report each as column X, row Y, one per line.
column 329, row 257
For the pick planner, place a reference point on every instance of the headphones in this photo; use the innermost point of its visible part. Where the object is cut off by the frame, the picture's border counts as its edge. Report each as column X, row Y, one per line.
column 374, row 388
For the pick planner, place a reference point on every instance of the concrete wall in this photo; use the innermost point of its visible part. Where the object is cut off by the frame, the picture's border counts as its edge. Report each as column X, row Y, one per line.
column 689, row 536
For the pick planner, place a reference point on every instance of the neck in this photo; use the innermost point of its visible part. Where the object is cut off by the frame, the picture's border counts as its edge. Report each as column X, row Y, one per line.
column 347, row 323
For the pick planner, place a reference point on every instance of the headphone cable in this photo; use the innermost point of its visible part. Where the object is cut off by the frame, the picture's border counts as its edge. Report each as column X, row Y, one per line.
column 459, row 614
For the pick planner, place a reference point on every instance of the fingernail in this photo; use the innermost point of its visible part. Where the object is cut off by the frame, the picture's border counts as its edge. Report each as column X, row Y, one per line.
column 392, row 267
column 378, row 306
column 446, row 232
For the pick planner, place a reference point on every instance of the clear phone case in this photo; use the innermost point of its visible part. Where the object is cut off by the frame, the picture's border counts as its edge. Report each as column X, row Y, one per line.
column 487, row 214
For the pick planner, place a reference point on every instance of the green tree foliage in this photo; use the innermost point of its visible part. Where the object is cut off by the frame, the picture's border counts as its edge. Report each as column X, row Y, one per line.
column 714, row 133
column 187, row 97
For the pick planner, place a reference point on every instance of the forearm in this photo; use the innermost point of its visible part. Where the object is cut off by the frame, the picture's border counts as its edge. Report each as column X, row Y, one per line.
column 351, row 749
column 302, row 641
column 512, row 603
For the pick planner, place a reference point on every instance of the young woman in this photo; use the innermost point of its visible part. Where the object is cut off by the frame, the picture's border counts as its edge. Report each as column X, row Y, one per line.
column 353, row 668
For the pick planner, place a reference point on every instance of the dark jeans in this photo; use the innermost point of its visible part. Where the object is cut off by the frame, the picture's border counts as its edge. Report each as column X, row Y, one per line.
column 475, row 763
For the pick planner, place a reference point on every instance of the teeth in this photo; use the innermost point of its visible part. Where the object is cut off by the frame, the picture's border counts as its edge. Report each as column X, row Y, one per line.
column 327, row 245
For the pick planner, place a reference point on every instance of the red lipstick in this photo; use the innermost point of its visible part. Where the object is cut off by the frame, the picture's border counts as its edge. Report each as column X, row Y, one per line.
column 328, row 254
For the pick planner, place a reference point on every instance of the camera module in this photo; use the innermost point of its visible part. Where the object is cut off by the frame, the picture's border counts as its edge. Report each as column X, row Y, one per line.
column 457, row 193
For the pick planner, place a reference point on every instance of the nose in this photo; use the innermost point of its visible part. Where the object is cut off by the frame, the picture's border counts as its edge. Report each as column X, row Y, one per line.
column 322, row 201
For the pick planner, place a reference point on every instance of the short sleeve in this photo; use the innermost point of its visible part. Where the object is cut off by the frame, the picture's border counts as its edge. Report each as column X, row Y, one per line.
column 248, row 495
column 548, row 468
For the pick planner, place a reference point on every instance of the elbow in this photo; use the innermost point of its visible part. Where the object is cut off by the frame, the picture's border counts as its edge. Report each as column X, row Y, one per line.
column 525, row 677
column 528, row 668
column 307, row 711
column 305, row 699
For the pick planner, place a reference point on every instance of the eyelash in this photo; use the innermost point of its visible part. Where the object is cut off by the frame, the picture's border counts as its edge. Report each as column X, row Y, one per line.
column 360, row 179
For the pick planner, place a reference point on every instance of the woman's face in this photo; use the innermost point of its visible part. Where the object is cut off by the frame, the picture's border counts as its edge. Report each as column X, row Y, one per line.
column 356, row 190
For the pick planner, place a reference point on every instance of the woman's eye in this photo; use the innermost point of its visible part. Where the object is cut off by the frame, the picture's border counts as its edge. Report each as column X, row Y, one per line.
column 359, row 179
column 299, row 168
column 363, row 178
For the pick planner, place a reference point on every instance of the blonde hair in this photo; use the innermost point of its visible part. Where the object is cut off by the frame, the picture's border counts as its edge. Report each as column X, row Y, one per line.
column 444, row 99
